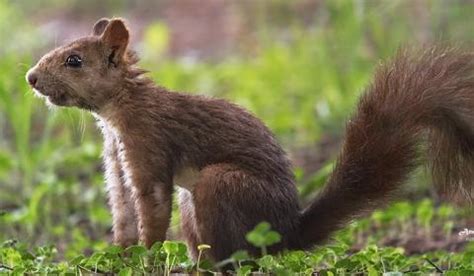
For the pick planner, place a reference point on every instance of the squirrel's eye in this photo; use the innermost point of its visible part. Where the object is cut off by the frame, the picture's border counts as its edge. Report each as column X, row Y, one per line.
column 74, row 61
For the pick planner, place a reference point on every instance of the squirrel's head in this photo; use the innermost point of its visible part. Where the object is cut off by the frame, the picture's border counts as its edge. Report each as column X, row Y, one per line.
column 89, row 71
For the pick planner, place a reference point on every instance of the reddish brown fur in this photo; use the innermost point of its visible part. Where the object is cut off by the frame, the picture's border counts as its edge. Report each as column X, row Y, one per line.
column 237, row 173
column 429, row 92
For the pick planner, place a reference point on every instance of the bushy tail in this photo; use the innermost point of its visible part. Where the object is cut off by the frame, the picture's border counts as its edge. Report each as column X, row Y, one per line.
column 420, row 98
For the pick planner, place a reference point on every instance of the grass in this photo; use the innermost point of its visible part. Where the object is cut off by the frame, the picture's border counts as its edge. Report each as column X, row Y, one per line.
column 301, row 80
column 341, row 256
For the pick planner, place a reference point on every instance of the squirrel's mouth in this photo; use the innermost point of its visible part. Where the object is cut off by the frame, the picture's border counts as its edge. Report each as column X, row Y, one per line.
column 59, row 99
column 56, row 97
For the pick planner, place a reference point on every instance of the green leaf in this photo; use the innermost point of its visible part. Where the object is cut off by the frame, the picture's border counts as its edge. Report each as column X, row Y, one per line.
column 171, row 247
column 272, row 237
column 244, row 270
column 77, row 260
column 240, row 255
column 138, row 250
column 114, row 249
column 126, row 272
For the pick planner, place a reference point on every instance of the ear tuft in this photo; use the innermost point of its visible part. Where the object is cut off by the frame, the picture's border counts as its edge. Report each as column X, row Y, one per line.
column 115, row 37
column 99, row 26
column 116, row 34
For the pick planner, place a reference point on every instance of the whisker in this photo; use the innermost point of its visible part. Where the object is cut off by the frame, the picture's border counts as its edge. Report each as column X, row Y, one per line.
column 23, row 65
column 82, row 125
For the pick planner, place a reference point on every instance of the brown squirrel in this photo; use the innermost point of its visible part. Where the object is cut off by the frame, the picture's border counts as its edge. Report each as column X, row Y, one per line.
column 232, row 172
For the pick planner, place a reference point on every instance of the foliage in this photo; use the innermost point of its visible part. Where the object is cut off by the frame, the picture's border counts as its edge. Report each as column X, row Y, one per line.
column 302, row 80
column 334, row 259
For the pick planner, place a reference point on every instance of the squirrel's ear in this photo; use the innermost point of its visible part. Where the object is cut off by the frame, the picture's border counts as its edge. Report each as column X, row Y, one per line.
column 99, row 26
column 115, row 37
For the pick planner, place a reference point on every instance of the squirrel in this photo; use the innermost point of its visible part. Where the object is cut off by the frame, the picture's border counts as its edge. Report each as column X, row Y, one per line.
column 230, row 170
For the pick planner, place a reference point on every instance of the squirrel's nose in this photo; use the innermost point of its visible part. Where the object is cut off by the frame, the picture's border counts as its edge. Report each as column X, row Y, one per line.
column 32, row 78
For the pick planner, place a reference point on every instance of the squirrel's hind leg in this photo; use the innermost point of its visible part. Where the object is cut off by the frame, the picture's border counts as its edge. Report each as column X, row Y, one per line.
column 221, row 198
column 229, row 203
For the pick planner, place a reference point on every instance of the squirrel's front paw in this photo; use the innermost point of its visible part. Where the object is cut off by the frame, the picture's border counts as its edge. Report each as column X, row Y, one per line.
column 125, row 241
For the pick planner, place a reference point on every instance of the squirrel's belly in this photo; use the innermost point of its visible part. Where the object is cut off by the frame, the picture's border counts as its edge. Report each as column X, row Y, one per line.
column 186, row 178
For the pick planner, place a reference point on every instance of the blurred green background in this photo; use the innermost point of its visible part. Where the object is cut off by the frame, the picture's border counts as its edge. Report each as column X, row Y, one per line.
column 298, row 65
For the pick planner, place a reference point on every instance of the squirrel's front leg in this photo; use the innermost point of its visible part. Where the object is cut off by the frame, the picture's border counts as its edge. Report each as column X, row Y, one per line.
column 125, row 227
column 153, row 208
column 151, row 184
